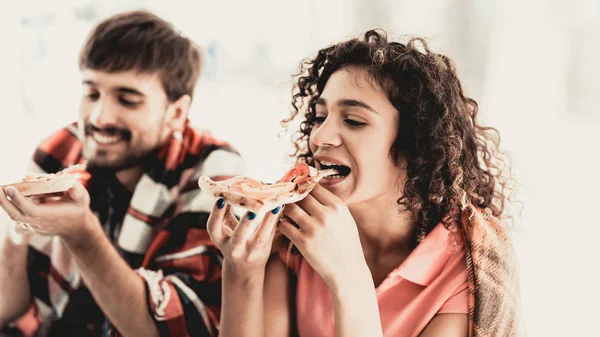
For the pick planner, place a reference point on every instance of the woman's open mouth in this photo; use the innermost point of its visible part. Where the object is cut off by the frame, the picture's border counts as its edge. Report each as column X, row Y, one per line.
column 343, row 172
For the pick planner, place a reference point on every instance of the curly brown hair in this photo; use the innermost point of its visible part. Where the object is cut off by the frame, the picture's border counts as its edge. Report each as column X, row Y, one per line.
column 451, row 160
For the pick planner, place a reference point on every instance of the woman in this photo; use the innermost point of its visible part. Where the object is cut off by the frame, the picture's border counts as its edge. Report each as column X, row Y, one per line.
column 405, row 241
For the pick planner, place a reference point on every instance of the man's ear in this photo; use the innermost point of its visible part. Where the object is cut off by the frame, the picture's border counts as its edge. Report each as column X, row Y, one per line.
column 178, row 113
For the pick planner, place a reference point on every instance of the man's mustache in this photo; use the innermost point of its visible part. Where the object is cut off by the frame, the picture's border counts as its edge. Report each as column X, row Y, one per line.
column 111, row 131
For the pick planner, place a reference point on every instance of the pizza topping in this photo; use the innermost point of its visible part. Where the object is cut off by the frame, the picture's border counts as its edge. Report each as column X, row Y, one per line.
column 79, row 170
column 298, row 174
column 258, row 190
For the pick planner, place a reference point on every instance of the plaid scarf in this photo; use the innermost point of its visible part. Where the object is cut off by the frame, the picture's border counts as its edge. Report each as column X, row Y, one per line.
column 492, row 276
column 164, row 227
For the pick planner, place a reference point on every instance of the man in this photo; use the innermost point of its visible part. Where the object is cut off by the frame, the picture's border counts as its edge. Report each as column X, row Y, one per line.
column 128, row 254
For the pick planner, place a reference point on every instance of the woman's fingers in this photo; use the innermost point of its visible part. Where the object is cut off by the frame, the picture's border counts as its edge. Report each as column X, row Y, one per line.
column 244, row 229
column 215, row 224
column 323, row 196
column 291, row 232
column 298, row 216
column 310, row 205
column 266, row 230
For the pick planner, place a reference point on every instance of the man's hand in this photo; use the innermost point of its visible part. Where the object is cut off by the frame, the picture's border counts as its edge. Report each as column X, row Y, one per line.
column 118, row 290
column 62, row 216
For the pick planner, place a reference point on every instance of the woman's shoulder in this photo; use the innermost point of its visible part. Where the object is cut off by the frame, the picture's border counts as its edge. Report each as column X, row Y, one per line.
column 440, row 254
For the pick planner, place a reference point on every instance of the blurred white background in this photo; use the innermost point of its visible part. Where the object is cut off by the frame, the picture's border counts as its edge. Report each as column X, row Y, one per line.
column 532, row 65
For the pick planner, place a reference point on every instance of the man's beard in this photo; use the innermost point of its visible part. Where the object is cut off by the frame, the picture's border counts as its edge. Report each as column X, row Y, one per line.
column 129, row 159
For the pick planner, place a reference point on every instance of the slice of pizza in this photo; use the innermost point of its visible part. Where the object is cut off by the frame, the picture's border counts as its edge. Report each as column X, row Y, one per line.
column 259, row 197
column 36, row 184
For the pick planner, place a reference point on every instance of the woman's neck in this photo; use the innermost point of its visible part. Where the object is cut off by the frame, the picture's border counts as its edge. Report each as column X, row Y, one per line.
column 383, row 228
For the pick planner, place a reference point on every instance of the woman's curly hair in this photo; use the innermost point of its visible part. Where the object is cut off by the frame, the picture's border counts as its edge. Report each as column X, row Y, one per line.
column 451, row 159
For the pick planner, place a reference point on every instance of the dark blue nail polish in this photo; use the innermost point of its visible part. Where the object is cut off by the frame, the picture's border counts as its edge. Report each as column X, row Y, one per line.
column 251, row 216
column 276, row 210
column 221, row 203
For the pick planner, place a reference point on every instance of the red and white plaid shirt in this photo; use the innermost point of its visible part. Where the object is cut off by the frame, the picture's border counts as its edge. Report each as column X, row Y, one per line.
column 161, row 234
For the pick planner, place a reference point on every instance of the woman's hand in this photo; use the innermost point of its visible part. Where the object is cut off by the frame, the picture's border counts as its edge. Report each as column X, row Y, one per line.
column 246, row 245
column 327, row 236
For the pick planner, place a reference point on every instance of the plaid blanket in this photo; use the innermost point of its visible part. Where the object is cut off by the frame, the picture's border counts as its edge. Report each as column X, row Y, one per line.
column 162, row 236
column 492, row 276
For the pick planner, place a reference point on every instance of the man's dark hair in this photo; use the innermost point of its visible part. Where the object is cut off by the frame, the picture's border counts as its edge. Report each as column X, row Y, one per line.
column 144, row 42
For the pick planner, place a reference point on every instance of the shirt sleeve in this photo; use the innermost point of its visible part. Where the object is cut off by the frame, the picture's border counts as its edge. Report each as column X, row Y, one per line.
column 458, row 303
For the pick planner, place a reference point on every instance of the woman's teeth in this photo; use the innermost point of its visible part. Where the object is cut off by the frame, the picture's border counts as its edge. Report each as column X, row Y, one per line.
column 326, row 163
column 342, row 170
column 337, row 176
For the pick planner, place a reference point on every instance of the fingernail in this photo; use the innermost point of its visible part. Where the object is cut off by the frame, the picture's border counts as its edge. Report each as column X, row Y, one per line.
column 276, row 210
column 10, row 192
column 220, row 203
column 251, row 216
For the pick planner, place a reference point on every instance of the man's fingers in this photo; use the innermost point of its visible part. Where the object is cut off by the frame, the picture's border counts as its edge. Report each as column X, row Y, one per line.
column 19, row 235
column 38, row 200
column 9, row 207
column 77, row 193
column 27, row 207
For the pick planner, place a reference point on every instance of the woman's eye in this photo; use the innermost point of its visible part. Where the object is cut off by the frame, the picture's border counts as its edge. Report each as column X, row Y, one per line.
column 319, row 119
column 354, row 124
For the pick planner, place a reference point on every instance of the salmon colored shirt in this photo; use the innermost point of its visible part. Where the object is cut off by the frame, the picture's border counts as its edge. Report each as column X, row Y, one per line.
column 432, row 280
